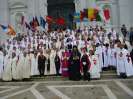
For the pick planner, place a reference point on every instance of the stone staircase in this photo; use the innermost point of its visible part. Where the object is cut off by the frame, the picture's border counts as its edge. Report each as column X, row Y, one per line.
column 109, row 74
column 49, row 78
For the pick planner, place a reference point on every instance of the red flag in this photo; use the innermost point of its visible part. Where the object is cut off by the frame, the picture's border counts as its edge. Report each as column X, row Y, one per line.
column 107, row 13
column 49, row 19
column 60, row 21
column 81, row 15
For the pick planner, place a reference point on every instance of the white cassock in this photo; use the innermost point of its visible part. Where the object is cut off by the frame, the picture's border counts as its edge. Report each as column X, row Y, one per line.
column 14, row 68
column 26, row 67
column 98, row 52
column 52, row 62
column 19, row 68
column 1, row 63
column 34, row 65
column 7, row 75
column 95, row 68
column 120, row 61
column 106, row 57
column 58, row 44
column 128, row 64
column 46, row 64
column 112, row 57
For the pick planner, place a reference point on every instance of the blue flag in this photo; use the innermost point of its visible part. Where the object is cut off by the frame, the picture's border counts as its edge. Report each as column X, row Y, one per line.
column 42, row 22
column 4, row 28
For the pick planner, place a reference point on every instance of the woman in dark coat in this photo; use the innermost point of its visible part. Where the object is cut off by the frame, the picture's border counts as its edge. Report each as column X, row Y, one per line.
column 74, row 68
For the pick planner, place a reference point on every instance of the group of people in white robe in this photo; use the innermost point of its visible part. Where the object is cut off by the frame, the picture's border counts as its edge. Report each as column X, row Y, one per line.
column 19, row 58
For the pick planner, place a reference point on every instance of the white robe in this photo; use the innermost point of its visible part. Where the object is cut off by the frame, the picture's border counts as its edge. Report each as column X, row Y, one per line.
column 7, row 75
column 19, row 68
column 52, row 63
column 14, row 68
column 58, row 44
column 26, row 67
column 46, row 63
column 112, row 57
column 100, row 57
column 120, row 61
column 95, row 68
column 106, row 57
column 34, row 66
column 128, row 64
column 1, row 63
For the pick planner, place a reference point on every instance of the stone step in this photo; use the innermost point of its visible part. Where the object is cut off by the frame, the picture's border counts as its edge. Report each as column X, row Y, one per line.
column 108, row 75
column 109, row 71
column 49, row 78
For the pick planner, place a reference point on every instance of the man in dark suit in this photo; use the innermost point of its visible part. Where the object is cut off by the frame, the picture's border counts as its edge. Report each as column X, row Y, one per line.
column 41, row 63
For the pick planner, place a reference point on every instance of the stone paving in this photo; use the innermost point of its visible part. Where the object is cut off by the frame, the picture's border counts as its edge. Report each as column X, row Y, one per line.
column 95, row 89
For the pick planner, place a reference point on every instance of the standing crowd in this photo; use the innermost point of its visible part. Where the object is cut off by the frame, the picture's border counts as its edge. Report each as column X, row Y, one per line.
column 69, row 53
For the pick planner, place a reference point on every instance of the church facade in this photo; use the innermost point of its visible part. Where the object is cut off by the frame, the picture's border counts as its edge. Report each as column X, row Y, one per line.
column 11, row 11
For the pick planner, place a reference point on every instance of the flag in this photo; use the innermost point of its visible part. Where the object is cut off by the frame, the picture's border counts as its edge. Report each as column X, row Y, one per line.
column 11, row 31
column 106, row 14
column 77, row 17
column 31, row 24
column 91, row 14
column 81, row 15
column 86, row 13
column 36, row 22
column 42, row 22
column 4, row 28
column 60, row 21
column 27, row 26
column 49, row 19
column 97, row 15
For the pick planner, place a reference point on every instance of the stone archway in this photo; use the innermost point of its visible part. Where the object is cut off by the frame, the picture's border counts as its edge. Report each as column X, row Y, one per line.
column 17, row 9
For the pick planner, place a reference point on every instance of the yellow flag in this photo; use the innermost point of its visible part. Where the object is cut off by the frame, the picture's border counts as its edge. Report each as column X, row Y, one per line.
column 91, row 12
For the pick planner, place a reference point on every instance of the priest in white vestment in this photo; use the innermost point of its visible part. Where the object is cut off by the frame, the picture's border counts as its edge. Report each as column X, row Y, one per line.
column 112, row 56
column 7, row 75
column 20, row 65
column 26, row 66
column 128, row 63
column 1, row 63
column 106, row 56
column 120, row 61
column 99, row 53
column 94, row 68
column 14, row 66
column 52, row 62
column 34, row 65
